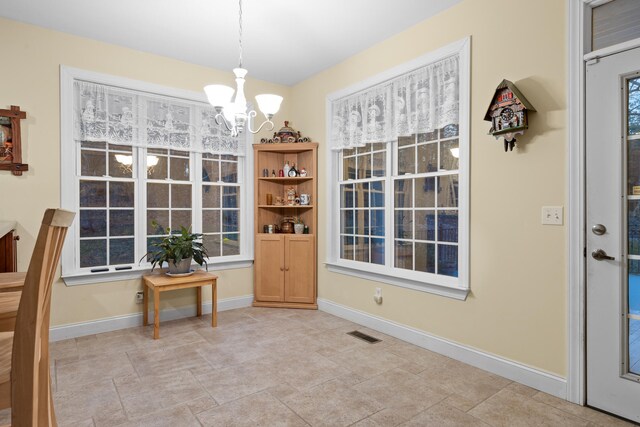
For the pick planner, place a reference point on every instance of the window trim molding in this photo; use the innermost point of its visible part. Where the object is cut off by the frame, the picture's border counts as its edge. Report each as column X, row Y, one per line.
column 333, row 262
column 69, row 199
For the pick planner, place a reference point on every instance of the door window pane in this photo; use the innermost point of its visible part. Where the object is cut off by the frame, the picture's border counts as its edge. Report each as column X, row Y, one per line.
column 633, row 112
column 634, row 316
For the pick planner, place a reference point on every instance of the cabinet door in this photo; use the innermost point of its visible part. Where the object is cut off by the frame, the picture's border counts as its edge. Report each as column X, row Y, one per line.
column 300, row 268
column 269, row 268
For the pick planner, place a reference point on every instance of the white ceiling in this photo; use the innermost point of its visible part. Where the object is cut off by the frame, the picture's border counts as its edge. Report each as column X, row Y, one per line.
column 285, row 41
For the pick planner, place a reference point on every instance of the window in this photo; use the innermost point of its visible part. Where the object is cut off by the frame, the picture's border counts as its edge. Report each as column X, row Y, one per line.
column 143, row 160
column 399, row 167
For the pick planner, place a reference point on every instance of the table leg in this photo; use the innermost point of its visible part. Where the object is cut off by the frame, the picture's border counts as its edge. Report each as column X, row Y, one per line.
column 145, row 304
column 199, row 302
column 156, row 314
column 214, row 304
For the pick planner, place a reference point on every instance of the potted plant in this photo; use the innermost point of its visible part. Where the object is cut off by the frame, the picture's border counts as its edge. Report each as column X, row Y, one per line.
column 178, row 250
column 298, row 225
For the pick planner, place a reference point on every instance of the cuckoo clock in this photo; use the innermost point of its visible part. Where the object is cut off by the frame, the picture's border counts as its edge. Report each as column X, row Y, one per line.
column 10, row 144
column 508, row 113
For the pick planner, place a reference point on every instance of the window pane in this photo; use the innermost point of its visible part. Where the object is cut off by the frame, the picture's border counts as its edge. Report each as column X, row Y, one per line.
column 429, row 136
column 449, row 153
column 348, row 168
column 448, row 191
column 92, row 163
column 212, row 244
column 210, row 171
column 379, row 164
column 121, row 194
column 404, row 224
column 377, row 222
column 449, row 131
column 230, row 197
column 448, row 260
column 158, row 195
column 230, row 244
column 364, row 166
column 230, row 221
column 121, row 165
column 229, row 171
column 362, row 222
column 93, row 144
column 426, row 257
column 93, row 194
column 181, row 218
column 448, row 226
column 404, row 193
column 377, row 251
column 425, row 225
column 362, row 195
column 93, row 223
column 346, row 199
column 406, row 140
column 162, row 220
column 180, row 196
column 346, row 222
column 160, row 170
column 376, row 199
column 425, row 192
column 362, row 249
column 93, row 253
column 346, row 247
column 179, row 169
column 210, row 196
column 404, row 255
column 121, row 251
column 428, row 158
column 152, row 243
column 211, row 221
column 121, row 222
column 406, row 160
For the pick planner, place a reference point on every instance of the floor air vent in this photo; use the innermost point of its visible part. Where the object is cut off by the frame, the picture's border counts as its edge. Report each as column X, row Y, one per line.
column 364, row 337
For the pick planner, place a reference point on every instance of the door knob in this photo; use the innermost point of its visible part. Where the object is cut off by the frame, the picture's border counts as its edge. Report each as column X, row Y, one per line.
column 599, row 229
column 601, row 255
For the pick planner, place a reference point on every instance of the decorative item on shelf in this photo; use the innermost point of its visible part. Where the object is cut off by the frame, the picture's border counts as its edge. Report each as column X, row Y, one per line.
column 232, row 113
column 269, row 199
column 305, row 199
column 280, row 173
column 279, row 201
column 290, row 196
column 286, row 168
column 10, row 143
column 286, row 226
column 303, row 172
column 508, row 113
column 273, row 173
column 177, row 250
column 265, row 173
column 293, row 172
column 298, row 225
column 286, row 134
column 306, row 229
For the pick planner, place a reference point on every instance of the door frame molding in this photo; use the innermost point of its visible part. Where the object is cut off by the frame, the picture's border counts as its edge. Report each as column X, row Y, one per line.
column 579, row 47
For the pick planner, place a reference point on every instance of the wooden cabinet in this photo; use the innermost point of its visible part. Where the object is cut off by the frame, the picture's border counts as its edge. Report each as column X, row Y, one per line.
column 285, row 264
column 8, row 255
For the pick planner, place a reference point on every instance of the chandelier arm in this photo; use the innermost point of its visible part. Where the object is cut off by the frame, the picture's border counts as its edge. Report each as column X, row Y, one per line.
column 221, row 120
column 267, row 122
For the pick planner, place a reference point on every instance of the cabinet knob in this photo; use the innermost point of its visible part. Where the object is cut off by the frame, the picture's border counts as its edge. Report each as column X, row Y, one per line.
column 287, row 269
column 281, row 268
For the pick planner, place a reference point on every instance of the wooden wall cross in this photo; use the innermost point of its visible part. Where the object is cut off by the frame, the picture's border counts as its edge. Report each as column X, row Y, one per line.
column 10, row 143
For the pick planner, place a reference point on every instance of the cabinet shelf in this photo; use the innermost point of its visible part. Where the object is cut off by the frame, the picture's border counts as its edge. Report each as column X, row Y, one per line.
column 285, row 179
column 286, row 207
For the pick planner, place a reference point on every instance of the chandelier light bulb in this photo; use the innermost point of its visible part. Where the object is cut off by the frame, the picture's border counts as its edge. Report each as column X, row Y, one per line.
column 218, row 95
column 269, row 104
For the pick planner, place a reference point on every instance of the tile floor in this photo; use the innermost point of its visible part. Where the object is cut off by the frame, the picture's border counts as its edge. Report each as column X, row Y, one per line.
column 271, row 367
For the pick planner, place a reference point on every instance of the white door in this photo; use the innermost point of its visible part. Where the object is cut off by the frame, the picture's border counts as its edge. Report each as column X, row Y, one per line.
column 613, row 233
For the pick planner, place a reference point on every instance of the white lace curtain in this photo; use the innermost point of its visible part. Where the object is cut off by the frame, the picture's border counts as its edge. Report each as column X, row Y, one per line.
column 416, row 102
column 126, row 117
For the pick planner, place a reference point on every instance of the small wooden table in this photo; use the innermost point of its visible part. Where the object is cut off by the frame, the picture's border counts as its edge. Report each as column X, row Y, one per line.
column 160, row 282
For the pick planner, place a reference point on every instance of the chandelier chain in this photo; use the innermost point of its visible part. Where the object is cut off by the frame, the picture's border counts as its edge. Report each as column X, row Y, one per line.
column 240, row 32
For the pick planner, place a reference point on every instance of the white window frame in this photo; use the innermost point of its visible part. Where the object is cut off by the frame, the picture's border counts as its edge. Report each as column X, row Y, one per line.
column 457, row 288
column 72, row 274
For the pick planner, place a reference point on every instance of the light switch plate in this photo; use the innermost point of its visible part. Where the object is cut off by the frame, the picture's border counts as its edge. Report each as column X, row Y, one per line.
column 552, row 215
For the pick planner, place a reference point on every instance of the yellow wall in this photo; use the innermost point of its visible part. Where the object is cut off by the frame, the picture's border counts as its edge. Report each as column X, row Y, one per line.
column 30, row 78
column 517, row 266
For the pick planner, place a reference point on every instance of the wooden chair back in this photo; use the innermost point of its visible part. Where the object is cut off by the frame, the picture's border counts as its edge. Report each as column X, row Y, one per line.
column 31, row 400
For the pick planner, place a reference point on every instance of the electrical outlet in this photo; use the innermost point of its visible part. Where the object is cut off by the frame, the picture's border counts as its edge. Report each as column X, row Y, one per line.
column 139, row 297
column 552, row 215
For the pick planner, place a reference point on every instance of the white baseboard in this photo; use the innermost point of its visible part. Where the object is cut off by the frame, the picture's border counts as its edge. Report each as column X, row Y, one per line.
column 75, row 330
column 532, row 377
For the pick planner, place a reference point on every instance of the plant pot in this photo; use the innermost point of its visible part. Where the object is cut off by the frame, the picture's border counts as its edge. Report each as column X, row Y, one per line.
column 298, row 228
column 181, row 267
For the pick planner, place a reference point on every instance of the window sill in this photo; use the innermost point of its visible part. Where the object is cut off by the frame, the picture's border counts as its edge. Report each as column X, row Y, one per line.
column 432, row 288
column 116, row 276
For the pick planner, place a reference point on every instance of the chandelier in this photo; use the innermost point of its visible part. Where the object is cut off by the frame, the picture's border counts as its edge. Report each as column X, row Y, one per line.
column 232, row 113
